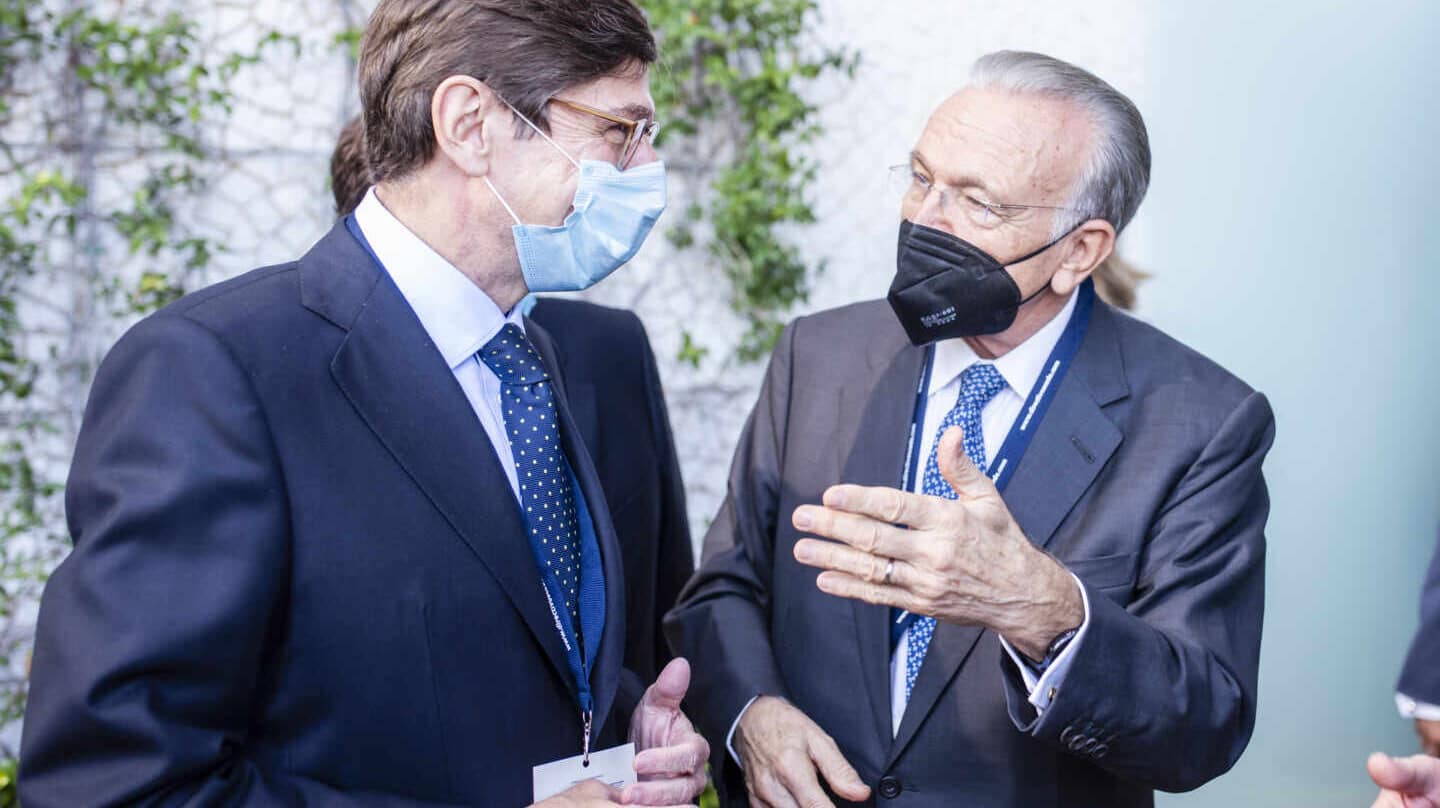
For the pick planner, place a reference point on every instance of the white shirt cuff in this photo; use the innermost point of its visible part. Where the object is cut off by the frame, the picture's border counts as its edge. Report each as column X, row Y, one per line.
column 730, row 736
column 1046, row 687
column 1410, row 708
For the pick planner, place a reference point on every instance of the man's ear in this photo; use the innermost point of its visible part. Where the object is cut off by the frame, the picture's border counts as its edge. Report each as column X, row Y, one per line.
column 1084, row 250
column 462, row 113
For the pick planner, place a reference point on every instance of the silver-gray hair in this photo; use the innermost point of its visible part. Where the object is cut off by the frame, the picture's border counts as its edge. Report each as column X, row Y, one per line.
column 1117, row 175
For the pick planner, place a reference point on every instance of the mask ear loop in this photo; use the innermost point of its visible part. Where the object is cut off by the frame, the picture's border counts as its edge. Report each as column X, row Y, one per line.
column 1025, row 258
column 503, row 203
column 541, row 133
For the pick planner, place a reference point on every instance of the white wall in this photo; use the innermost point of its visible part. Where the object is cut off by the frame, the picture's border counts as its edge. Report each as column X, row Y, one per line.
column 1292, row 236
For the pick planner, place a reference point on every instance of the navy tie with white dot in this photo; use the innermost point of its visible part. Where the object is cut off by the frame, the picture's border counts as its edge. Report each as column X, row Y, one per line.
column 978, row 384
column 540, row 465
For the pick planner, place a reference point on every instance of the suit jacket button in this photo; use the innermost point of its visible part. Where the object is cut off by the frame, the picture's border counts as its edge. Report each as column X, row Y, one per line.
column 1099, row 751
column 889, row 788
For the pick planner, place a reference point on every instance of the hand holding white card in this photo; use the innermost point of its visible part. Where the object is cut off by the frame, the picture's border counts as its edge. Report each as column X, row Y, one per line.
column 613, row 767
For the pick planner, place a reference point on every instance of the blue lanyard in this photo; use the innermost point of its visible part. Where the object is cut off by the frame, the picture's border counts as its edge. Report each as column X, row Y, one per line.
column 581, row 660
column 1027, row 423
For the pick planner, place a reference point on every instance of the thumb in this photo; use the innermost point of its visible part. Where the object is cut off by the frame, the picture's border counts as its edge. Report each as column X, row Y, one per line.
column 1413, row 776
column 965, row 477
column 670, row 686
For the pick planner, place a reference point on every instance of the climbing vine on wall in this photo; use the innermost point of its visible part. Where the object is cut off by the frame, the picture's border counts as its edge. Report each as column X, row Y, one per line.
column 730, row 88
column 102, row 115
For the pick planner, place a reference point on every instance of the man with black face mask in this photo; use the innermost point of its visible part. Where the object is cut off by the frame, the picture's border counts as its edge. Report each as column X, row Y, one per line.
column 989, row 542
column 338, row 539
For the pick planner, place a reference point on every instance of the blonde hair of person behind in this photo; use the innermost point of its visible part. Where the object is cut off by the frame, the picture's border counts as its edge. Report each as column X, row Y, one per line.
column 1116, row 280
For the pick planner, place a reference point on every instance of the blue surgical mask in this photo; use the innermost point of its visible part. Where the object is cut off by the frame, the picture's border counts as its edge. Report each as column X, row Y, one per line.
column 613, row 212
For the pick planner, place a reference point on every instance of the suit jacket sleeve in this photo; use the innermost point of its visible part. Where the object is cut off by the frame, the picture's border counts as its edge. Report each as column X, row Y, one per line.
column 676, row 559
column 1420, row 679
column 1162, row 691
column 152, row 635
column 724, row 610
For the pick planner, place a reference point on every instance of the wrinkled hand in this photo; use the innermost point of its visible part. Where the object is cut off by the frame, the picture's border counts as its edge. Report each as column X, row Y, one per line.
column 1412, row 782
column 780, row 749
column 963, row 561
column 1429, row 732
column 670, row 755
column 589, row 794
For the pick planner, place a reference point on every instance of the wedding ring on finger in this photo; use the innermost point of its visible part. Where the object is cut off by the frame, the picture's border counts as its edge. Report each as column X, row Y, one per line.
column 889, row 571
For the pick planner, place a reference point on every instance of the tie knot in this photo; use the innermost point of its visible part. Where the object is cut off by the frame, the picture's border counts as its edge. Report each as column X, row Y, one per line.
column 979, row 383
column 511, row 356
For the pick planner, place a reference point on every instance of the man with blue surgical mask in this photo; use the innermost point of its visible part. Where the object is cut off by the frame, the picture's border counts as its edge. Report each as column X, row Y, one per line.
column 337, row 539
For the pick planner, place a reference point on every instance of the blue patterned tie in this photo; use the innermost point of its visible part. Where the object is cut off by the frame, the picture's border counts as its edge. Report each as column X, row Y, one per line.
column 540, row 465
column 978, row 384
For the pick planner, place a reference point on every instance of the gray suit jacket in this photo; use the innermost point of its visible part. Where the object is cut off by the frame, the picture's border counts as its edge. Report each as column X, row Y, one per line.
column 1144, row 479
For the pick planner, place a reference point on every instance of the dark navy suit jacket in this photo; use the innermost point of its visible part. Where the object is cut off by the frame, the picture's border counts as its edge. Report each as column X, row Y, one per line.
column 300, row 575
column 1421, row 678
column 1143, row 478
column 615, row 396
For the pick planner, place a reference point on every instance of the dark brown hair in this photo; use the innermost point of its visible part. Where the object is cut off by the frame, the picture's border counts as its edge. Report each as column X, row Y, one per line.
column 349, row 172
column 524, row 50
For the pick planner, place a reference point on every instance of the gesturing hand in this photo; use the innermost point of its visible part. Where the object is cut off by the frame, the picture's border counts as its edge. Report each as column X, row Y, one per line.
column 1412, row 782
column 780, row 749
column 670, row 755
column 963, row 561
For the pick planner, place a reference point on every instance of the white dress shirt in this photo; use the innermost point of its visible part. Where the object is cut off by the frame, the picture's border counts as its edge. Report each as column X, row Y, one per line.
column 1410, row 708
column 1021, row 369
column 456, row 314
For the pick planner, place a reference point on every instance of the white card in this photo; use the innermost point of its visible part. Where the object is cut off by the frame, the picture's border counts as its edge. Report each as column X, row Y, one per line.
column 614, row 766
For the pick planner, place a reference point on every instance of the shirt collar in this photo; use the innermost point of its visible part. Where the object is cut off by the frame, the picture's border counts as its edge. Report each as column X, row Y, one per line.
column 457, row 315
column 1020, row 367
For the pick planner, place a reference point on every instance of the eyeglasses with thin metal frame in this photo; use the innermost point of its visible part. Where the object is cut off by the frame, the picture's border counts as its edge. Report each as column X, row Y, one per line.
column 979, row 210
column 635, row 131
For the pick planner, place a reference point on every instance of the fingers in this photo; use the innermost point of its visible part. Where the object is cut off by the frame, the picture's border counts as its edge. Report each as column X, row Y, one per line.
column 859, row 531
column 593, row 789
column 1414, row 776
column 587, row 793
column 799, row 777
column 855, row 563
column 838, row 772
column 965, row 477
column 674, row 791
column 842, row 585
column 680, row 760
column 767, row 791
column 1388, row 799
column 670, row 686
column 886, row 504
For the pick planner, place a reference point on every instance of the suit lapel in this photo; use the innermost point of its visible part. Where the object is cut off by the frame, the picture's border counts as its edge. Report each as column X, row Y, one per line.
column 399, row 384
column 1076, row 438
column 605, row 679
column 877, row 458
column 1070, row 448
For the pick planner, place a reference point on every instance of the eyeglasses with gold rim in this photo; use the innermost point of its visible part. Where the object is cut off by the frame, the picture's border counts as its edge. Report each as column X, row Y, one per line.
column 635, row 131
